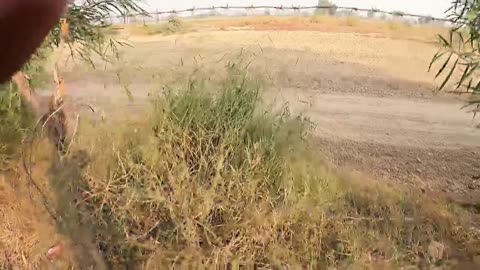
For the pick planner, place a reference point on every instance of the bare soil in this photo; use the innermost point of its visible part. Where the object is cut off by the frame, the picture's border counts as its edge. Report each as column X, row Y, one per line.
column 426, row 142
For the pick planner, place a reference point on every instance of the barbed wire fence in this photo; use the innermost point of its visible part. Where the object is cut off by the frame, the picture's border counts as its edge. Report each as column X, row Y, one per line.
column 217, row 11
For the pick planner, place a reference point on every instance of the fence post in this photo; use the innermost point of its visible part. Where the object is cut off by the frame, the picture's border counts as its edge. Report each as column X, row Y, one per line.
column 157, row 16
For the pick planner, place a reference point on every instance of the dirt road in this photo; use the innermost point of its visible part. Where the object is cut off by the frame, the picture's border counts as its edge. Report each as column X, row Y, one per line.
column 428, row 143
column 371, row 99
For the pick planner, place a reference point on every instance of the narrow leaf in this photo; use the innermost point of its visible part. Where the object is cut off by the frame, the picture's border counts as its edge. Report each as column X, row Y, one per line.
column 460, row 44
column 477, row 88
column 437, row 56
column 443, row 41
column 444, row 65
column 469, row 86
column 449, row 75
column 464, row 76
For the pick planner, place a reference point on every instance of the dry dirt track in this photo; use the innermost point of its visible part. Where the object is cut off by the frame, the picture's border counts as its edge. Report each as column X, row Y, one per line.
column 370, row 97
column 428, row 143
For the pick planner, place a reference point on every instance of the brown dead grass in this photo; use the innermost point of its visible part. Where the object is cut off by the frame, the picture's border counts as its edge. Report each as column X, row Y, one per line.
column 26, row 230
column 35, row 217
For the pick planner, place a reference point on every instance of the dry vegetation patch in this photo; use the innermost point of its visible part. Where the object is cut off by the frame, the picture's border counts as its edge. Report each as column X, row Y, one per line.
column 211, row 178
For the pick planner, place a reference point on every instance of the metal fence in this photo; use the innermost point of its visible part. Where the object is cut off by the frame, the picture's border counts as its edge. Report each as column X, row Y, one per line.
column 227, row 10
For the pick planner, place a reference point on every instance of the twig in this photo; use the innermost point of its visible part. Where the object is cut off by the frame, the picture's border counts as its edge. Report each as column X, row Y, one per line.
column 21, row 80
column 90, row 107
column 28, row 169
column 52, row 114
column 73, row 135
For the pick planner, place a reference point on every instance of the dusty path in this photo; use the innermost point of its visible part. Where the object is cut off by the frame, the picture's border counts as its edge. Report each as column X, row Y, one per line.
column 432, row 123
column 427, row 143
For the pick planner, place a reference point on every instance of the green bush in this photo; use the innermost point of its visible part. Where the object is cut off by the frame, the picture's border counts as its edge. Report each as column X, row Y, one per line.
column 15, row 119
column 210, row 178
column 16, row 116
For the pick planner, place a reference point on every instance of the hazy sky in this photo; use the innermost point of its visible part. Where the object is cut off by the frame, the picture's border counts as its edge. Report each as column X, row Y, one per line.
column 427, row 7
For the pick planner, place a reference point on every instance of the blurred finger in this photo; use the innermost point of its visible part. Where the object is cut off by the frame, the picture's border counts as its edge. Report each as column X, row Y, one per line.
column 24, row 24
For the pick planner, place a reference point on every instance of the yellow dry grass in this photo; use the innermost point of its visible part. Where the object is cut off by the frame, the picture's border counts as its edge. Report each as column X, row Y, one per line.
column 390, row 29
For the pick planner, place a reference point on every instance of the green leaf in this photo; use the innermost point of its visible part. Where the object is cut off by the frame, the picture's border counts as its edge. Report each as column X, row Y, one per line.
column 443, row 41
column 472, row 15
column 449, row 75
column 469, row 86
column 467, row 73
column 437, row 56
column 462, row 41
column 444, row 65
column 464, row 75
column 476, row 90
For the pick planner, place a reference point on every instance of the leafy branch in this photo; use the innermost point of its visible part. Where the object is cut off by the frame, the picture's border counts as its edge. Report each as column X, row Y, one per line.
column 86, row 24
column 460, row 51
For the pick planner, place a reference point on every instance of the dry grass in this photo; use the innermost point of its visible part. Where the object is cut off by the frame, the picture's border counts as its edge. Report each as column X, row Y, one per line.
column 173, row 26
column 211, row 178
column 26, row 230
column 352, row 21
